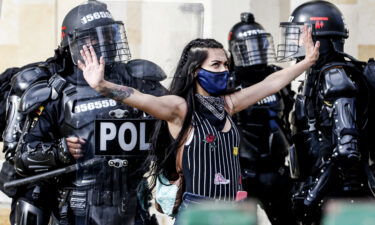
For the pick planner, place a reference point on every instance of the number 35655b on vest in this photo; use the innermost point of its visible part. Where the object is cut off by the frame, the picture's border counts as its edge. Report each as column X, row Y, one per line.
column 130, row 137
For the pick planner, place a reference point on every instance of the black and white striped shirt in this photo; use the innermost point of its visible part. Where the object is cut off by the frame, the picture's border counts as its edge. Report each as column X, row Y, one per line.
column 211, row 160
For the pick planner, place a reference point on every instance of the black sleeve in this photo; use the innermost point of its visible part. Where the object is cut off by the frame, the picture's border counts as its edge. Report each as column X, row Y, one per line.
column 43, row 148
column 45, row 127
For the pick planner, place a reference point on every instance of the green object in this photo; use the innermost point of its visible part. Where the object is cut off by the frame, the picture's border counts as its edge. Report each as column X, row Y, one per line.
column 220, row 214
column 344, row 213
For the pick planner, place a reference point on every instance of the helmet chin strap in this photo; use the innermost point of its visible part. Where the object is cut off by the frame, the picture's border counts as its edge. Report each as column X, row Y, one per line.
column 338, row 45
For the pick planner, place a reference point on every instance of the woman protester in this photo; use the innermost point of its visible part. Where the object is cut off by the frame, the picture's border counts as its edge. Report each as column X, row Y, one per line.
column 196, row 136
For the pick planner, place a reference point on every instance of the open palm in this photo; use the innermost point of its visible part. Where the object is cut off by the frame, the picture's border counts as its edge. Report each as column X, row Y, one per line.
column 93, row 70
column 312, row 51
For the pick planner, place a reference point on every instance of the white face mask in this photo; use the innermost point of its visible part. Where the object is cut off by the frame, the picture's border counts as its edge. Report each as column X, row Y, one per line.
column 165, row 194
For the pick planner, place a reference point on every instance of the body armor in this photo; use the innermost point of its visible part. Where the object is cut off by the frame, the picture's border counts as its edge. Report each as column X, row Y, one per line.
column 264, row 142
column 332, row 122
column 264, row 145
column 20, row 83
column 114, row 187
column 30, row 88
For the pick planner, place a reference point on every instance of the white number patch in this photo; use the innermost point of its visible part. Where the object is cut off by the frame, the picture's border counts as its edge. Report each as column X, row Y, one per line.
column 94, row 105
column 250, row 33
column 95, row 16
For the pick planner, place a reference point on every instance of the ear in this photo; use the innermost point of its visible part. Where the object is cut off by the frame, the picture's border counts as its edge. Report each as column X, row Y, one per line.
column 196, row 72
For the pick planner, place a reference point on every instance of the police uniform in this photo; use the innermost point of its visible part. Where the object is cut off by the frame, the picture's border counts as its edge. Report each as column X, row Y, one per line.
column 264, row 127
column 102, row 193
column 330, row 121
column 112, row 190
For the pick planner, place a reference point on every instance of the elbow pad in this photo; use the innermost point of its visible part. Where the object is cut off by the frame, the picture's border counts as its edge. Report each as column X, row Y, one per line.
column 344, row 116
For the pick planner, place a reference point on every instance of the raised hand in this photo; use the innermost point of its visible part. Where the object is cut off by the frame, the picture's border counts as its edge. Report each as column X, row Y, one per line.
column 93, row 71
column 312, row 51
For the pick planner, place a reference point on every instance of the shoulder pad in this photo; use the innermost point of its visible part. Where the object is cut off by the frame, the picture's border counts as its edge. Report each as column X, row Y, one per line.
column 23, row 79
column 144, row 69
column 337, row 83
column 40, row 92
column 34, row 96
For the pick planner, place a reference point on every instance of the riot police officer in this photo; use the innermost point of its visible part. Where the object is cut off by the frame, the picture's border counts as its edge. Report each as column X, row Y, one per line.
column 264, row 126
column 15, row 117
column 330, row 119
column 76, row 125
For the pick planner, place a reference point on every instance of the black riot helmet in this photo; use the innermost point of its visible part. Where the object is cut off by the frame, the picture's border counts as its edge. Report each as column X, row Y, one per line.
column 326, row 21
column 92, row 24
column 249, row 43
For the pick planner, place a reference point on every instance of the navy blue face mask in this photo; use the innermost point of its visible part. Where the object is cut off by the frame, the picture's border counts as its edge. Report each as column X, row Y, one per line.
column 214, row 83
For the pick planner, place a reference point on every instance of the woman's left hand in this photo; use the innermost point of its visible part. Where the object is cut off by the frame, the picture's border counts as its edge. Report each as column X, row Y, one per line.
column 312, row 51
column 93, row 70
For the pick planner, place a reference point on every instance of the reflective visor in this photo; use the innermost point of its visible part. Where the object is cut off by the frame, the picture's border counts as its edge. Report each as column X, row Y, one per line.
column 290, row 46
column 109, row 41
column 253, row 50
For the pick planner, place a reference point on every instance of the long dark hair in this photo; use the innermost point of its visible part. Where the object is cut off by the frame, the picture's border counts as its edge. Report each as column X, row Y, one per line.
column 163, row 152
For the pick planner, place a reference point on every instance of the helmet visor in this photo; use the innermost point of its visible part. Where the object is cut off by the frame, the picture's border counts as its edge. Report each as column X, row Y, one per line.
column 290, row 46
column 109, row 41
column 253, row 50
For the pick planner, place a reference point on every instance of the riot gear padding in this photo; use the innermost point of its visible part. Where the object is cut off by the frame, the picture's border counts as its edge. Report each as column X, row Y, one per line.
column 249, row 43
column 15, row 82
column 264, row 145
column 339, row 93
column 92, row 24
column 40, row 92
column 144, row 69
column 22, row 80
column 27, row 214
column 5, row 87
column 344, row 114
column 20, row 83
column 337, row 83
column 331, row 135
column 100, row 189
column 326, row 20
column 41, row 157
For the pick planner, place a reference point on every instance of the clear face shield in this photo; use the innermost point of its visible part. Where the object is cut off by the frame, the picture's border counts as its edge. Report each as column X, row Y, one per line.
column 291, row 43
column 253, row 50
column 109, row 41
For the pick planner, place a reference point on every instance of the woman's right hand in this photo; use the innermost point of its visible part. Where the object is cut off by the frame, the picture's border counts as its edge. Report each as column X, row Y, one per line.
column 93, row 70
column 312, row 51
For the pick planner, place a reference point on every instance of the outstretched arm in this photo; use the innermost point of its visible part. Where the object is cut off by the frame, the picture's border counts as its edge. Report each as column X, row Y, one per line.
column 275, row 82
column 171, row 108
